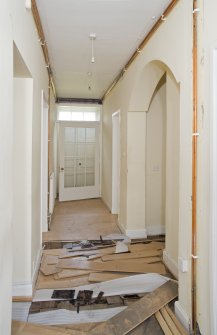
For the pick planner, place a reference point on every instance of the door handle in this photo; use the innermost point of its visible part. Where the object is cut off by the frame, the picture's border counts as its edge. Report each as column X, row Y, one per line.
column 61, row 169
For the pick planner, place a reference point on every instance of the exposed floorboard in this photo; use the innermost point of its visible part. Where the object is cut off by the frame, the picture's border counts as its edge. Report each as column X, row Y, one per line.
column 81, row 220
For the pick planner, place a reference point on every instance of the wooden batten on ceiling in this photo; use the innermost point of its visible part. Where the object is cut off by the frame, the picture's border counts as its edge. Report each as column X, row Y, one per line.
column 79, row 100
column 120, row 75
column 42, row 40
column 142, row 45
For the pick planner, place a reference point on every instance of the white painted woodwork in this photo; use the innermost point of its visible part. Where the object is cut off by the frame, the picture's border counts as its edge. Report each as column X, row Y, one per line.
column 79, row 170
column 44, row 163
column 116, row 163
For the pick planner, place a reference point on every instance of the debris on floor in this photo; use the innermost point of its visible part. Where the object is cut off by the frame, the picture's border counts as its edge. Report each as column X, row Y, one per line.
column 127, row 321
column 94, row 280
column 76, row 266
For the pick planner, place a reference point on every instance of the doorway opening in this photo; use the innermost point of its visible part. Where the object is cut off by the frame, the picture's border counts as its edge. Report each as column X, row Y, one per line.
column 22, row 174
column 44, row 163
column 116, row 162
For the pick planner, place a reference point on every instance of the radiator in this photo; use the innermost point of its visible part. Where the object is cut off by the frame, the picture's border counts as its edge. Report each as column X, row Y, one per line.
column 52, row 194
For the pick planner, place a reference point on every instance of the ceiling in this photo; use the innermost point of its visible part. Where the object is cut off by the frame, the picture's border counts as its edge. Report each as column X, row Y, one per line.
column 119, row 26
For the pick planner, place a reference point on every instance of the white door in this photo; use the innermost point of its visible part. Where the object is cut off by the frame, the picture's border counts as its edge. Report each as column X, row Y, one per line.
column 79, row 160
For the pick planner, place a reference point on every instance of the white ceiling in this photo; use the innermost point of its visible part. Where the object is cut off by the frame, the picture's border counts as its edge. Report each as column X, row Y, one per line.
column 119, row 25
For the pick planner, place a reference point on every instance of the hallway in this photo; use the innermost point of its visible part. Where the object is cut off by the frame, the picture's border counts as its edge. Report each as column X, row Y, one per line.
column 72, row 223
column 81, row 220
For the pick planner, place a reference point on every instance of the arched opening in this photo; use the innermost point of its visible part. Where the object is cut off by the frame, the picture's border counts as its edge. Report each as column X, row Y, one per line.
column 156, row 93
column 155, row 169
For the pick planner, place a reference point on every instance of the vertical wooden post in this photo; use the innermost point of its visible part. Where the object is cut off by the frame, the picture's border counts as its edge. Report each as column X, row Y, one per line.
column 194, row 168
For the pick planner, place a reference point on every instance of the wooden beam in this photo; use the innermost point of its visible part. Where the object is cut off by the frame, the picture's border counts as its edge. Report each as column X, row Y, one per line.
column 163, row 324
column 169, row 321
column 138, row 312
column 79, row 100
column 42, row 40
column 178, row 324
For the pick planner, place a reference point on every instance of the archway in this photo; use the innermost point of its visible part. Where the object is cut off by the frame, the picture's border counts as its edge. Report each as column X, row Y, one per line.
column 156, row 94
column 155, row 168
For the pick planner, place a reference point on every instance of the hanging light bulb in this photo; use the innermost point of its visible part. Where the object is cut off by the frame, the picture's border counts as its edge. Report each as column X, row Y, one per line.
column 92, row 37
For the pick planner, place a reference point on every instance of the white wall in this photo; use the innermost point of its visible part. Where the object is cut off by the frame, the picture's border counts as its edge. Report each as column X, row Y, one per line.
column 172, row 171
column 135, row 224
column 207, row 184
column 22, row 148
column 26, row 40
column 133, row 93
column 155, row 162
column 6, row 190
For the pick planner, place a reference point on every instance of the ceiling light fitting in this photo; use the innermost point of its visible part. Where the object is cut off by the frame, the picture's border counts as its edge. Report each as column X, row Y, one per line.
column 92, row 37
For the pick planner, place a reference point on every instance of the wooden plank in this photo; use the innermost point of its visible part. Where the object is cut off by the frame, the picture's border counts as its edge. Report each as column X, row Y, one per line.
column 133, row 266
column 46, row 282
column 51, row 259
column 111, row 250
column 48, row 270
column 148, row 327
column 101, row 252
column 142, row 254
column 146, row 246
column 97, row 277
column 22, row 299
column 163, row 324
column 68, row 273
column 21, row 328
column 138, row 312
column 82, row 327
column 63, row 316
column 169, row 321
column 176, row 321
column 55, row 252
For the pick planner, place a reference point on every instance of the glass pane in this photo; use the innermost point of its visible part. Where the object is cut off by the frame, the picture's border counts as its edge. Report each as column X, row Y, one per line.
column 79, row 157
column 78, row 113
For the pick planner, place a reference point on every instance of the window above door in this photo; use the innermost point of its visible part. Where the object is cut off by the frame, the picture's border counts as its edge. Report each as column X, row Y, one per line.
column 78, row 113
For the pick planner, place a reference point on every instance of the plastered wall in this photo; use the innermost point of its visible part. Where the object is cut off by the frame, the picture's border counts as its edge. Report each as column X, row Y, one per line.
column 133, row 94
column 6, row 191
column 207, row 186
column 22, row 134
column 25, row 37
column 172, row 167
column 156, row 162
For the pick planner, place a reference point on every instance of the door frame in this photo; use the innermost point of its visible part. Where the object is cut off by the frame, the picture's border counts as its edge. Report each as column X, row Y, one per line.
column 44, row 162
column 116, row 162
column 213, row 193
column 79, row 124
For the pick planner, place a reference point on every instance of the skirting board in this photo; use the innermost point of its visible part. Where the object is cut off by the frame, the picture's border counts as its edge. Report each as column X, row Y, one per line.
column 106, row 205
column 182, row 316
column 137, row 233
column 171, row 264
column 155, row 230
column 25, row 289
